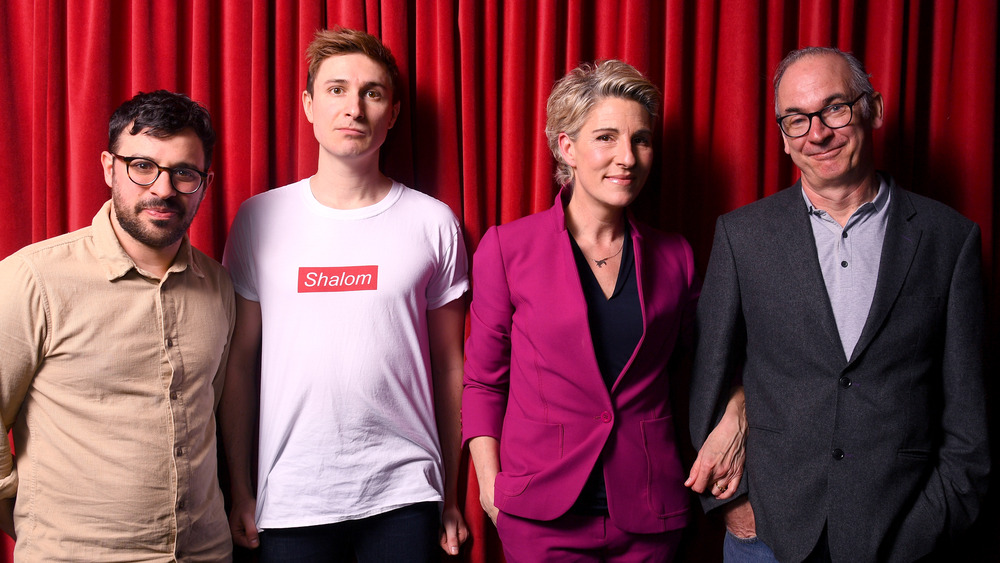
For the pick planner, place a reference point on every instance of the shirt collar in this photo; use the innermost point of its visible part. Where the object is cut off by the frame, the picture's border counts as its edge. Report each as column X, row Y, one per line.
column 874, row 206
column 117, row 263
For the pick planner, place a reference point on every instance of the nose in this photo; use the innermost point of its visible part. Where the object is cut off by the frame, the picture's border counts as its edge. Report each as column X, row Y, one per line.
column 818, row 131
column 626, row 154
column 355, row 107
column 162, row 187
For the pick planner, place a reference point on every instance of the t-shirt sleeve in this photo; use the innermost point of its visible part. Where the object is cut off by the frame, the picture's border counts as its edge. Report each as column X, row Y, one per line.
column 238, row 257
column 451, row 278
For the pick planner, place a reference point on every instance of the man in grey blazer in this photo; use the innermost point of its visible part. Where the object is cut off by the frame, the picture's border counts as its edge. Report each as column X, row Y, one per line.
column 853, row 313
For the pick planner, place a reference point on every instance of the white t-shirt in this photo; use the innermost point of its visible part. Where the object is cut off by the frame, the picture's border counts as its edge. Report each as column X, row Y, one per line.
column 347, row 426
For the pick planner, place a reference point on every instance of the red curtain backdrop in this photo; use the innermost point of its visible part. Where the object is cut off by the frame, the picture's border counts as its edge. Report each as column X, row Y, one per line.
column 476, row 76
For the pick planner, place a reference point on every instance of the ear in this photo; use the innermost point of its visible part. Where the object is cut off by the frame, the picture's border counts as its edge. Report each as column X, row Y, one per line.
column 108, row 165
column 307, row 105
column 395, row 113
column 877, row 110
column 567, row 148
column 784, row 141
column 208, row 180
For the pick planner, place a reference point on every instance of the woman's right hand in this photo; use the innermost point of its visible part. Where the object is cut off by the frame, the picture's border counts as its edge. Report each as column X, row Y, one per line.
column 486, row 499
column 485, row 451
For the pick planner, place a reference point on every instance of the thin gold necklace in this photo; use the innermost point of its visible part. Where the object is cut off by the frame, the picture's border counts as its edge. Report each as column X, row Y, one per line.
column 600, row 263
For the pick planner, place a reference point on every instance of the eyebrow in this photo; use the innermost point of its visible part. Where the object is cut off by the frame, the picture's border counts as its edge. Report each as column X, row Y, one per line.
column 616, row 131
column 831, row 99
column 184, row 164
column 344, row 81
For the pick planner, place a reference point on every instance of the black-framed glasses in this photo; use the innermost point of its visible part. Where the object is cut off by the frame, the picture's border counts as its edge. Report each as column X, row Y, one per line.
column 834, row 116
column 144, row 172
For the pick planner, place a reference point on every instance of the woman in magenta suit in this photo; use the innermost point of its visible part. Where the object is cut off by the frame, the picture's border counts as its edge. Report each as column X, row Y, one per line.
column 575, row 313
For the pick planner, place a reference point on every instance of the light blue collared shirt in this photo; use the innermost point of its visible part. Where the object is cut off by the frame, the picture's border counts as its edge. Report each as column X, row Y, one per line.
column 849, row 257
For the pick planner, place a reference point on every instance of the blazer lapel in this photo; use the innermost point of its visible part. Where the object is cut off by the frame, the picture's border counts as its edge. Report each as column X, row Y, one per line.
column 898, row 249
column 639, row 251
column 563, row 267
column 796, row 240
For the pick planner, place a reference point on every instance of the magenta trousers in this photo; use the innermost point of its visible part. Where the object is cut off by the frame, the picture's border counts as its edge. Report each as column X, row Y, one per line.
column 579, row 538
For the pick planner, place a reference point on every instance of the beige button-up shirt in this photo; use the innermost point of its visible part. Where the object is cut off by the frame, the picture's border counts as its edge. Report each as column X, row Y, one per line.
column 109, row 379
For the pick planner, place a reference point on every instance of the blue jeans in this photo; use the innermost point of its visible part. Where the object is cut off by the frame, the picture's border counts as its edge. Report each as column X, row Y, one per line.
column 406, row 535
column 746, row 550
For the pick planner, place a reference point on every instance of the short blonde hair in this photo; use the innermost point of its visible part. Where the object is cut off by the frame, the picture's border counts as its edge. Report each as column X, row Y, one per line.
column 340, row 41
column 574, row 95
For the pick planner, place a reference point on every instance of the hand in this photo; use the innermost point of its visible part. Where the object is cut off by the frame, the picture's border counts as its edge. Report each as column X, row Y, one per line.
column 739, row 518
column 719, row 465
column 453, row 530
column 486, row 500
column 485, row 451
column 242, row 525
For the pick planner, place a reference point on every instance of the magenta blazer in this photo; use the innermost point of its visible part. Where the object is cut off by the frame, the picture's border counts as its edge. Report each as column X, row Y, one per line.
column 532, row 380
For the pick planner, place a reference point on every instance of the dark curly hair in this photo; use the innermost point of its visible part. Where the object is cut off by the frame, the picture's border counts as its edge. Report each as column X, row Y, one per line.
column 162, row 114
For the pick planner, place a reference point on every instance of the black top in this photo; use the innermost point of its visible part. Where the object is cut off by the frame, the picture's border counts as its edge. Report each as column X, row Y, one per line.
column 615, row 322
column 615, row 329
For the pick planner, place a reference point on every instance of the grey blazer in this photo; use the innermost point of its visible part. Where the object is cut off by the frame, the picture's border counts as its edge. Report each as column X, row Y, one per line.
column 888, row 449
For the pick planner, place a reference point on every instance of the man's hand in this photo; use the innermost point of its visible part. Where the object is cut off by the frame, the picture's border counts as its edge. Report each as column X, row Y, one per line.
column 453, row 530
column 237, row 418
column 739, row 518
column 241, row 523
column 718, row 468
column 446, row 332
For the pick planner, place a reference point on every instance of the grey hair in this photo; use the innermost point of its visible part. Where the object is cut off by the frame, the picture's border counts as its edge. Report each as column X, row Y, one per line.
column 859, row 82
column 574, row 95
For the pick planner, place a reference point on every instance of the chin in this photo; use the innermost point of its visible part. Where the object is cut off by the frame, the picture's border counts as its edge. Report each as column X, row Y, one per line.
column 622, row 202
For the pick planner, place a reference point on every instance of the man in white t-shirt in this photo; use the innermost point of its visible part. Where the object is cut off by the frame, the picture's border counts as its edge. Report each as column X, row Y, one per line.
column 350, row 304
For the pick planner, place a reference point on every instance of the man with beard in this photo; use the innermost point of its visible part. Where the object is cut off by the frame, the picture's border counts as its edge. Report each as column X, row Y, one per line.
column 113, row 341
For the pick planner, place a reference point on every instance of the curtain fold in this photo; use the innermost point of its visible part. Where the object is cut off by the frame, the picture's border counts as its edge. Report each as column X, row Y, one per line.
column 476, row 76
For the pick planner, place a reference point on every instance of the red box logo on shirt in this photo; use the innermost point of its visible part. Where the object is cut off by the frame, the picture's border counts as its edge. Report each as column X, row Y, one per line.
column 338, row 278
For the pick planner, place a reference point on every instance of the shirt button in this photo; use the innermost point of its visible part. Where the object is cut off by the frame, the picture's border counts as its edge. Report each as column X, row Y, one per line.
column 180, row 451
column 843, row 264
column 169, row 343
column 180, row 504
column 844, row 234
column 838, row 454
column 605, row 417
column 173, row 395
column 845, row 382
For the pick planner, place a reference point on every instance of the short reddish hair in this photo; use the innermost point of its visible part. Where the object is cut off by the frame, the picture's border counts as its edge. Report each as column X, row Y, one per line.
column 340, row 41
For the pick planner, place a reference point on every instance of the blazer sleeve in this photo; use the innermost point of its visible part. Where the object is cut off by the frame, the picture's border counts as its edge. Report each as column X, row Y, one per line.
column 952, row 496
column 720, row 331
column 487, row 350
column 686, row 336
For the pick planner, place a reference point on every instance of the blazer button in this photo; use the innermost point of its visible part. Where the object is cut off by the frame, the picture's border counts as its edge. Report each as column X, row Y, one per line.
column 838, row 454
column 605, row 417
column 845, row 382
